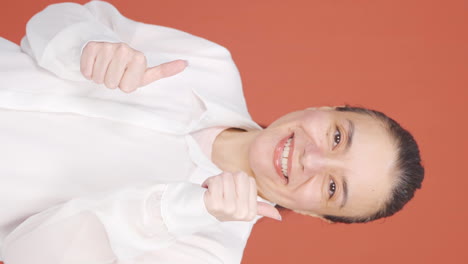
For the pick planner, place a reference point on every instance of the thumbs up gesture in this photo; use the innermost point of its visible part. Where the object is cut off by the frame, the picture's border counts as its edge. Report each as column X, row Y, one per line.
column 117, row 65
column 233, row 197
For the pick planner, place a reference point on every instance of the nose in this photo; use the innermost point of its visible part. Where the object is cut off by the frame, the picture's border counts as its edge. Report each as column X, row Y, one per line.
column 313, row 159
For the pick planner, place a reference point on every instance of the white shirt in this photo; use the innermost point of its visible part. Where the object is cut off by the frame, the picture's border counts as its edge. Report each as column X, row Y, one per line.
column 126, row 162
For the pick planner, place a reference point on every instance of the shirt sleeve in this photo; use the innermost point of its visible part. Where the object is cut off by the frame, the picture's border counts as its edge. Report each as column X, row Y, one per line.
column 129, row 226
column 56, row 36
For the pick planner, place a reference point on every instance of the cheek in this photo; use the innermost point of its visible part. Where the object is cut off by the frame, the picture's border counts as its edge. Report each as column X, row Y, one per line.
column 308, row 197
column 315, row 124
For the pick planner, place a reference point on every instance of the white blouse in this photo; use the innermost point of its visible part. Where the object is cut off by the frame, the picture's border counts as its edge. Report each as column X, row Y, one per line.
column 94, row 175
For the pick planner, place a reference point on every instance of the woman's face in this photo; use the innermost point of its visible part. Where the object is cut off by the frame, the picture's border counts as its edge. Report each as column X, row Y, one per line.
column 338, row 163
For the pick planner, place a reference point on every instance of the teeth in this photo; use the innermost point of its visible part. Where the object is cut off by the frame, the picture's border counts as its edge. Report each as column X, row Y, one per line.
column 284, row 159
column 285, row 152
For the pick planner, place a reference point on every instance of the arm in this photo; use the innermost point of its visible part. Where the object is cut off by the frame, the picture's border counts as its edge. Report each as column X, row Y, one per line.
column 57, row 47
column 118, row 227
column 156, row 224
column 59, row 39
column 55, row 36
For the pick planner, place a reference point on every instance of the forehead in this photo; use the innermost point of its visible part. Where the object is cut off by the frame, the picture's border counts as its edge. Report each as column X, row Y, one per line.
column 368, row 163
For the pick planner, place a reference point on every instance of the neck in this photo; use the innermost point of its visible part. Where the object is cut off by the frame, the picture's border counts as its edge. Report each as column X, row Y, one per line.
column 231, row 150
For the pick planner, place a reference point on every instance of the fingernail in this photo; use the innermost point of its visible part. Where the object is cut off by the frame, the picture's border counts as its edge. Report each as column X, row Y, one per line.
column 186, row 63
column 279, row 218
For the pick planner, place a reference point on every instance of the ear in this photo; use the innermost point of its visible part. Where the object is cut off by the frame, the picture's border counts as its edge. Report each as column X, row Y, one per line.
column 313, row 215
column 326, row 108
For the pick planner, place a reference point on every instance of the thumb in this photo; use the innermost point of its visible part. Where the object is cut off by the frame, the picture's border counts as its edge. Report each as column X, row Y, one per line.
column 268, row 210
column 162, row 71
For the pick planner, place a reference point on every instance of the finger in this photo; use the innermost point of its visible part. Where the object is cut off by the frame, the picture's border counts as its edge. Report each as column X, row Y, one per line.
column 229, row 194
column 131, row 79
column 242, row 190
column 115, row 72
column 229, row 187
column 164, row 70
column 268, row 210
column 100, row 66
column 242, row 184
column 87, row 60
column 215, row 187
column 252, row 198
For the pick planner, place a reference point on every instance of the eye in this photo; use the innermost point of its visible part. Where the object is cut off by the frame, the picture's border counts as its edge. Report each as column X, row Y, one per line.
column 331, row 188
column 336, row 137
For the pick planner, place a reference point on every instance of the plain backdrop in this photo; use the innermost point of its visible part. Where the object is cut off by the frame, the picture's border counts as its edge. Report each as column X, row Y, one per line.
column 406, row 58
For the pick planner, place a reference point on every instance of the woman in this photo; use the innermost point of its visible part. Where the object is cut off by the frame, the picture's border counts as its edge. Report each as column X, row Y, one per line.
column 170, row 172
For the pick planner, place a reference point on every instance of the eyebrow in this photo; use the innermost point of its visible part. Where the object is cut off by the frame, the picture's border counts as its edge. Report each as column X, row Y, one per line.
column 345, row 193
column 349, row 142
column 350, row 134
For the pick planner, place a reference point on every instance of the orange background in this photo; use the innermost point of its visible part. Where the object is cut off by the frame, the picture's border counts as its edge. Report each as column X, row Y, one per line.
column 406, row 58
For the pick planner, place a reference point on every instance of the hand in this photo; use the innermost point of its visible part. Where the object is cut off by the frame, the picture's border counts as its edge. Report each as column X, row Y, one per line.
column 233, row 197
column 118, row 65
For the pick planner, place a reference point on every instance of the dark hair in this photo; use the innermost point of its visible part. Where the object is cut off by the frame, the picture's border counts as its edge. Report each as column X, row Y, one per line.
column 409, row 170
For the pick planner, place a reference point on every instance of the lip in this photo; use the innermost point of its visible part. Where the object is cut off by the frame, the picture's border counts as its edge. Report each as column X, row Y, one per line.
column 277, row 157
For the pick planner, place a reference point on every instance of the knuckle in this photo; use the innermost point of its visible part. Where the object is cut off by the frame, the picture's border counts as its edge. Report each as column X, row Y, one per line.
column 122, row 50
column 253, row 182
column 110, row 84
column 218, row 178
column 226, row 175
column 92, row 45
column 122, row 46
column 124, row 87
column 121, row 54
column 127, row 89
column 98, row 80
column 241, row 175
column 84, row 72
column 139, row 57
column 107, row 47
column 241, row 179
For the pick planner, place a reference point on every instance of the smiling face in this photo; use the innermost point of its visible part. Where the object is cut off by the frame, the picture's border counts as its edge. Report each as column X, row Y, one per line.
column 325, row 162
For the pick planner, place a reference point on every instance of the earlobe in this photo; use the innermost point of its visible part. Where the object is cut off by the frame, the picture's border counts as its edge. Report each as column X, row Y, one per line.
column 311, row 108
column 327, row 108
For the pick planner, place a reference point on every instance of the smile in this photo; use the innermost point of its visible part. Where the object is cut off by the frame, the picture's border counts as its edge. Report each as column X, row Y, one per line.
column 282, row 158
